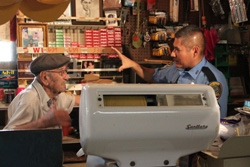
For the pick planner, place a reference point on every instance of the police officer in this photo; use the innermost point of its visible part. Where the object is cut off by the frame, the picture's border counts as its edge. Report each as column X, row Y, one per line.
column 190, row 66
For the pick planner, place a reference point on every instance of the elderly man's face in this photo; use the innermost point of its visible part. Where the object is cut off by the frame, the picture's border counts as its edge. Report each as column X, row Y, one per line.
column 86, row 4
column 58, row 78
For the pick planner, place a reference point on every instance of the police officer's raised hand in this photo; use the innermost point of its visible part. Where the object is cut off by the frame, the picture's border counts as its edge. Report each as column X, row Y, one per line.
column 126, row 62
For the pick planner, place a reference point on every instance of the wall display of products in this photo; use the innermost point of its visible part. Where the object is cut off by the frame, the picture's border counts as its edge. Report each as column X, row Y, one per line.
column 85, row 40
column 149, row 50
column 87, row 46
column 8, row 78
column 80, row 36
column 104, row 67
column 160, row 34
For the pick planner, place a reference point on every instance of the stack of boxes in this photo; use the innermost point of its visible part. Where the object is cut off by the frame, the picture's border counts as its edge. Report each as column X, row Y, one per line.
column 81, row 38
column 114, row 37
column 111, row 36
column 103, row 37
column 118, row 37
column 59, row 38
column 52, row 38
column 74, row 37
column 88, row 38
column 94, row 39
column 89, row 41
column 67, row 38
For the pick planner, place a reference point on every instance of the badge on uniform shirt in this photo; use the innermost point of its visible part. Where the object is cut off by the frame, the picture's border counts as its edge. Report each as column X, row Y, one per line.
column 217, row 88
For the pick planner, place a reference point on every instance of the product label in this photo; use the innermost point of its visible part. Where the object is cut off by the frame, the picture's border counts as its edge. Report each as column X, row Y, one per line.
column 8, row 79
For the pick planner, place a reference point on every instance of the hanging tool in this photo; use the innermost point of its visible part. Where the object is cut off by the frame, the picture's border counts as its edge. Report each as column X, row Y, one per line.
column 146, row 36
column 191, row 3
column 136, row 38
column 175, row 11
column 124, row 14
column 203, row 17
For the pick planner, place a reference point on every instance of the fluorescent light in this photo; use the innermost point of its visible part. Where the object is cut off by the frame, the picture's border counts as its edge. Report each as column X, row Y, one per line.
column 7, row 50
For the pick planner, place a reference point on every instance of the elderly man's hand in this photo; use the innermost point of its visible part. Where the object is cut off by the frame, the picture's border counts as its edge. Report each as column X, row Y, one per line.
column 62, row 118
column 56, row 117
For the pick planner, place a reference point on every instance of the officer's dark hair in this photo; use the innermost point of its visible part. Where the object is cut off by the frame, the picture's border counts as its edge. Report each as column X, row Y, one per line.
column 187, row 33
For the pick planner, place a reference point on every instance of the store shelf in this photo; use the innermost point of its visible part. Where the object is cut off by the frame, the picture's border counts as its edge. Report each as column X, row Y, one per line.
column 83, row 164
column 101, row 77
column 70, row 50
column 77, row 18
column 93, row 70
column 81, row 70
column 25, row 78
column 93, row 60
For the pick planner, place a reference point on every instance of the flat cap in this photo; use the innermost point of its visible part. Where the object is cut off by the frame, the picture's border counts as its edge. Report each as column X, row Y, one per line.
column 48, row 62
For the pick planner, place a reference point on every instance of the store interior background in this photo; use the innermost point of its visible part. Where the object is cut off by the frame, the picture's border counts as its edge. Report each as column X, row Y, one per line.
column 238, row 57
column 237, row 60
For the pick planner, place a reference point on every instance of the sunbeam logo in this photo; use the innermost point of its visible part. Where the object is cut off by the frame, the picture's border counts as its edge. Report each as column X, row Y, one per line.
column 196, row 127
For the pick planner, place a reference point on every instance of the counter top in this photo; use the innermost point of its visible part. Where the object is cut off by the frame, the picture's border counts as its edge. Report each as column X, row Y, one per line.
column 70, row 140
column 75, row 165
column 3, row 106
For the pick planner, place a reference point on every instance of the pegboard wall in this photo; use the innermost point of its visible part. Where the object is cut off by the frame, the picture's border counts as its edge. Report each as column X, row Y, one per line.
column 143, row 52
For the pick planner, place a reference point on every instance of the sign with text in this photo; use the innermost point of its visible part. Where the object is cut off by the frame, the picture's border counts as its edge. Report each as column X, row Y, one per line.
column 70, row 50
column 8, row 78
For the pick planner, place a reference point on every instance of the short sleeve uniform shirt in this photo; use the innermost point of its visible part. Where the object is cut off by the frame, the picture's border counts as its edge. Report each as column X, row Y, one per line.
column 172, row 74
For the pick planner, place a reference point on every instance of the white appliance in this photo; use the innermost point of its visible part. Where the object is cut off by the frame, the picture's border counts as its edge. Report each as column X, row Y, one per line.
column 146, row 125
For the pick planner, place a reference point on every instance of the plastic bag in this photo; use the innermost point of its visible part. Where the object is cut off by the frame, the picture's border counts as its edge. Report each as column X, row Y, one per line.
column 238, row 11
column 217, row 8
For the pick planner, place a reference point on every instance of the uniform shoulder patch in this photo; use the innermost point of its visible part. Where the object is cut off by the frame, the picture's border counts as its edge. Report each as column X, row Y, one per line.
column 217, row 86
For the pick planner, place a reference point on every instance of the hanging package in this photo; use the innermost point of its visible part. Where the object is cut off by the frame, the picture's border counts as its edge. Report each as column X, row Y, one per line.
column 238, row 11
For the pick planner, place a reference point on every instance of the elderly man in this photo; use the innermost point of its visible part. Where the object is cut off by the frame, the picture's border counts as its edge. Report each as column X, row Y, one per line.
column 44, row 103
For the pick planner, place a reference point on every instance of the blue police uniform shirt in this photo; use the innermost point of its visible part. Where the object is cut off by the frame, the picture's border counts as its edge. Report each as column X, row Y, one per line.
column 172, row 74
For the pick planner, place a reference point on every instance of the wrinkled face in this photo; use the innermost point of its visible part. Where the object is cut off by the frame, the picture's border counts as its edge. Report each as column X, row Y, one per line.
column 86, row 4
column 182, row 56
column 57, row 80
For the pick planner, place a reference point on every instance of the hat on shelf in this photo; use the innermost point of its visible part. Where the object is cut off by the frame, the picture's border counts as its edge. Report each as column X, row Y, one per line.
column 8, row 9
column 8, row 2
column 44, row 10
column 52, row 2
column 48, row 62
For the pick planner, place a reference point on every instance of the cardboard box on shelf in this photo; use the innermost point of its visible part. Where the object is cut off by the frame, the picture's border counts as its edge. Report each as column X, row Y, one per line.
column 235, row 151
